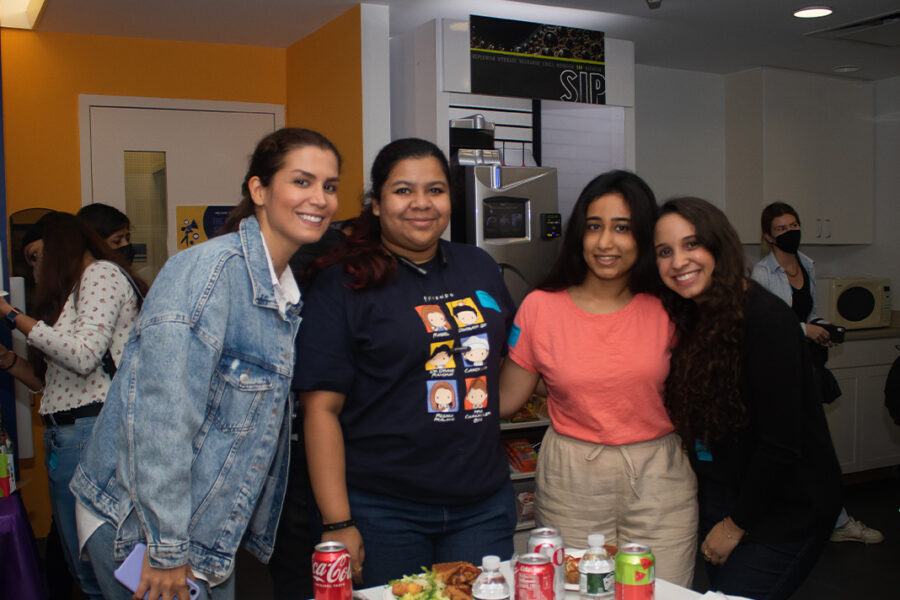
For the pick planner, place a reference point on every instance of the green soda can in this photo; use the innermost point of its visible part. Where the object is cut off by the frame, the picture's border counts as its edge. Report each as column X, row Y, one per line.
column 635, row 572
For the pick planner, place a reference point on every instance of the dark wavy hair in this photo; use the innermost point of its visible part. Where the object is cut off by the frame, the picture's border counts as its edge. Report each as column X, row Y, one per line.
column 362, row 253
column 769, row 214
column 703, row 394
column 267, row 159
column 105, row 219
column 570, row 269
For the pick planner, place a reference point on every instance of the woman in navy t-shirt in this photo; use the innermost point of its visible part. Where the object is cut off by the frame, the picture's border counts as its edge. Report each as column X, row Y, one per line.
column 399, row 331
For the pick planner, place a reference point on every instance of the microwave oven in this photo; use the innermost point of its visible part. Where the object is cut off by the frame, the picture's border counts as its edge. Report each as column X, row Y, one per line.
column 854, row 303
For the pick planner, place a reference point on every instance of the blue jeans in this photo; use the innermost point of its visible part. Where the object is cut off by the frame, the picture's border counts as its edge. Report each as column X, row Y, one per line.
column 401, row 537
column 755, row 569
column 100, row 549
column 63, row 445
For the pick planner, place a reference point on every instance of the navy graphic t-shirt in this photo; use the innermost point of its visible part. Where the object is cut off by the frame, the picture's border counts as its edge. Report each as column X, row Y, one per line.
column 418, row 361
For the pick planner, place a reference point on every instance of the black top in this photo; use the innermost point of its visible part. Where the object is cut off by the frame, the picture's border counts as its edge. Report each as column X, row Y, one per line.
column 782, row 468
column 417, row 422
column 801, row 299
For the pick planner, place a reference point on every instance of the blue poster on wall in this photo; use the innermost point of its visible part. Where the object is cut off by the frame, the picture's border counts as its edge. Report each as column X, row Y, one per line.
column 535, row 60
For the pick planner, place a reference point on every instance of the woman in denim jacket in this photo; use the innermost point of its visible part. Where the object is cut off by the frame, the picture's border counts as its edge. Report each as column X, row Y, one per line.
column 190, row 453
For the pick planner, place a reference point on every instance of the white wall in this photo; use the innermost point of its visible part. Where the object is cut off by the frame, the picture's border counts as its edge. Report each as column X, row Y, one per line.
column 680, row 138
column 680, row 132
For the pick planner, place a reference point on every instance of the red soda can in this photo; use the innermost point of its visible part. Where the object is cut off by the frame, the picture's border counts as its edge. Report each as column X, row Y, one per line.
column 533, row 577
column 331, row 572
column 548, row 541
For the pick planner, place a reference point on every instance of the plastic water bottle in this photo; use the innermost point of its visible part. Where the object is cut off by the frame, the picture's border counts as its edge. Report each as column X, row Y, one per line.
column 596, row 570
column 491, row 584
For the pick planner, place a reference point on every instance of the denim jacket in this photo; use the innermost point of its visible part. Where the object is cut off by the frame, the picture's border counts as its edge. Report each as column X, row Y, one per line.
column 189, row 454
column 768, row 273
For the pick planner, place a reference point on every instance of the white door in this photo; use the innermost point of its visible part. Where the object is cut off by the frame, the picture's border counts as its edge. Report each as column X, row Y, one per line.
column 205, row 147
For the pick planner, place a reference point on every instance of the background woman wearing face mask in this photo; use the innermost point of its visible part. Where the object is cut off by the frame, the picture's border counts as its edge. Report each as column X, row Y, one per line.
column 112, row 225
column 787, row 272
column 791, row 275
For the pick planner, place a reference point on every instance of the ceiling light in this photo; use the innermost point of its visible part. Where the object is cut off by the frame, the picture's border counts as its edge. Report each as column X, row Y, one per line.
column 20, row 14
column 812, row 12
column 846, row 69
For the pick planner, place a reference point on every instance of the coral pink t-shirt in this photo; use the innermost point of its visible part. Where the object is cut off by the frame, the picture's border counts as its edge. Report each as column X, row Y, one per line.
column 605, row 374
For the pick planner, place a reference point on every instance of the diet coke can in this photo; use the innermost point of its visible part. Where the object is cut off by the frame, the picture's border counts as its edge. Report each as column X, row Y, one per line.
column 331, row 572
column 533, row 576
column 549, row 542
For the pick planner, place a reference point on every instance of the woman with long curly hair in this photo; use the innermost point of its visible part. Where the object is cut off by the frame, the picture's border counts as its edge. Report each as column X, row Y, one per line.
column 741, row 394
column 610, row 462
column 84, row 306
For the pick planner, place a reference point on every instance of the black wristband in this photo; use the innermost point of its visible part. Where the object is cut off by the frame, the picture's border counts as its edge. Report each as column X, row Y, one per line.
column 13, row 363
column 339, row 525
column 10, row 318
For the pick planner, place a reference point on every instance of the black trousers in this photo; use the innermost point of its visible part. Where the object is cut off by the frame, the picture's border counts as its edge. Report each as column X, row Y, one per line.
column 299, row 530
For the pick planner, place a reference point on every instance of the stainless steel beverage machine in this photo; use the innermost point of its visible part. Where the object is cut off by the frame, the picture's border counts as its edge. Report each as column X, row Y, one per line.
column 511, row 212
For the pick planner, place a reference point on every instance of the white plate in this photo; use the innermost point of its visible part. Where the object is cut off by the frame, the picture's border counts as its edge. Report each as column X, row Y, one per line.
column 576, row 553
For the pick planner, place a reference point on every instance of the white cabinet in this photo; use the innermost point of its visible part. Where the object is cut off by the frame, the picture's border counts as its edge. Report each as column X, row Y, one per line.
column 804, row 139
column 864, row 435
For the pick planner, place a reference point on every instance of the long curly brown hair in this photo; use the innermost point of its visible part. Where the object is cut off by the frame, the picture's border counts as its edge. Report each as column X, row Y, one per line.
column 703, row 394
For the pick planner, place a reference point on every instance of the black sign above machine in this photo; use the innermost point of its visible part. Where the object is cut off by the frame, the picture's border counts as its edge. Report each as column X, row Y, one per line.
column 534, row 60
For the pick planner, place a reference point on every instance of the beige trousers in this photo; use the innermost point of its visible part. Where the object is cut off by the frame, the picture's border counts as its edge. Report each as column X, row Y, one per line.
column 644, row 492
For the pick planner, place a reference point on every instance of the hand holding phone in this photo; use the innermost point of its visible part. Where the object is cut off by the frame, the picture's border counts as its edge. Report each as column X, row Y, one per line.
column 129, row 572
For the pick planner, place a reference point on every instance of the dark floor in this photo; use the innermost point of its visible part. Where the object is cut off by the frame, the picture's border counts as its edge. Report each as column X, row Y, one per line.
column 845, row 570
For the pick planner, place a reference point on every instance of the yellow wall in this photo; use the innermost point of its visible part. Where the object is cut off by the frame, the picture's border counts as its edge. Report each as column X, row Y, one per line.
column 43, row 73
column 324, row 90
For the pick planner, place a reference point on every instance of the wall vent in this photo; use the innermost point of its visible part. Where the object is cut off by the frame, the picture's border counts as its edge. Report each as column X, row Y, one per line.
column 883, row 30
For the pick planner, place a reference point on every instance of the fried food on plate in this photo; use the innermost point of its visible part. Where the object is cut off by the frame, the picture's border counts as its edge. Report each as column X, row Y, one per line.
column 572, row 568
column 457, row 578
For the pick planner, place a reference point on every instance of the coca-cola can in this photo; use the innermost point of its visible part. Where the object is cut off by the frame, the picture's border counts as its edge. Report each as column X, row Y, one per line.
column 549, row 542
column 533, row 575
column 331, row 572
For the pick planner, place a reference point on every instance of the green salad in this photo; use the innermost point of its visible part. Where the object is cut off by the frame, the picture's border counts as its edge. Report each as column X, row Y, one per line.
column 422, row 586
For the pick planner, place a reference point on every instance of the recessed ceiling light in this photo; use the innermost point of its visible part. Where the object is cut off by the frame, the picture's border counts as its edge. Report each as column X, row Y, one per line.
column 846, row 69
column 812, row 12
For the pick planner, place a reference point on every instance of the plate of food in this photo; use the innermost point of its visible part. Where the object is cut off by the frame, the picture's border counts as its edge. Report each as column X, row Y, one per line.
column 444, row 581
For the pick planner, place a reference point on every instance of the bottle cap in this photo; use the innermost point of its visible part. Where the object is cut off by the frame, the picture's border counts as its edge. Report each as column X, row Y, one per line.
column 490, row 562
column 596, row 539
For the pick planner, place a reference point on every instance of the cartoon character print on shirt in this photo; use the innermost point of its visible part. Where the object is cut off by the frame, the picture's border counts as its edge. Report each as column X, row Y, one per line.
column 433, row 317
column 476, row 350
column 444, row 389
column 466, row 313
column 441, row 359
column 442, row 397
column 476, row 393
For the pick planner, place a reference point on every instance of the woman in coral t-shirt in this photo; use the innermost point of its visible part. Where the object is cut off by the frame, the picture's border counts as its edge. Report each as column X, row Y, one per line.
column 611, row 462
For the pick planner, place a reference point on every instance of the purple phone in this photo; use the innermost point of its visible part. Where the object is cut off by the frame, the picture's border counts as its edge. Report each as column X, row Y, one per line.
column 129, row 572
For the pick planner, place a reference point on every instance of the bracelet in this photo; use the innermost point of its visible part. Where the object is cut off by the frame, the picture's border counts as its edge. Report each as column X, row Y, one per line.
column 13, row 363
column 339, row 525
